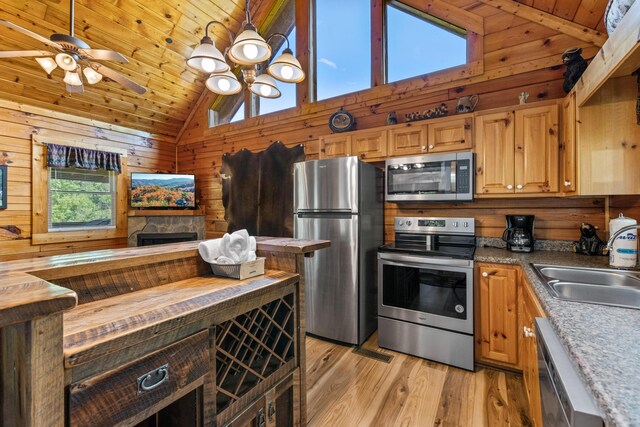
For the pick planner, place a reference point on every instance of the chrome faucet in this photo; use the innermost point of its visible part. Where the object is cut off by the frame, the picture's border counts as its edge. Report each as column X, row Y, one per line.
column 619, row 232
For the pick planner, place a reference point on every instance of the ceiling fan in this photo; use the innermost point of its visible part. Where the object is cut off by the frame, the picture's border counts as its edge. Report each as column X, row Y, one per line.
column 73, row 56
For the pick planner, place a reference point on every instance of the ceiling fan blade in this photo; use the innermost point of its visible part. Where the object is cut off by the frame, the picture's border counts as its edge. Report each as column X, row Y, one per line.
column 29, row 33
column 119, row 78
column 75, row 89
column 103, row 55
column 24, row 53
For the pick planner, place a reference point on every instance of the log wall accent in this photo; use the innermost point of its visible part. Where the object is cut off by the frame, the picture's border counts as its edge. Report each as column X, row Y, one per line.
column 519, row 55
column 146, row 152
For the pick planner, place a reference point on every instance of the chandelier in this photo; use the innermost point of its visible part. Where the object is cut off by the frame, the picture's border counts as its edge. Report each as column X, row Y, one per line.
column 249, row 51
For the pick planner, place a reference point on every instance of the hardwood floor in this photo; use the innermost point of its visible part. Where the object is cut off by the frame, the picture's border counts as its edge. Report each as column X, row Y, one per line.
column 348, row 389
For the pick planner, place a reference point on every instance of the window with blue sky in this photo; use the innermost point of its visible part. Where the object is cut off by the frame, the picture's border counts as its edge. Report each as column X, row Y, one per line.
column 418, row 44
column 343, row 47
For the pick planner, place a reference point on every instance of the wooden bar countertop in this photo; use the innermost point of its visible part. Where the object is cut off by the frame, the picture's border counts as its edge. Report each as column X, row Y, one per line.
column 25, row 292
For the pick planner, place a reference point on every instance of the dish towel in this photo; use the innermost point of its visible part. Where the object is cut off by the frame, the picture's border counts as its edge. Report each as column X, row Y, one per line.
column 234, row 248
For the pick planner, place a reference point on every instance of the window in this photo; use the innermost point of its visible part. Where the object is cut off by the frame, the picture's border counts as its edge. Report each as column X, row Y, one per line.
column 418, row 43
column 81, row 199
column 343, row 47
column 288, row 90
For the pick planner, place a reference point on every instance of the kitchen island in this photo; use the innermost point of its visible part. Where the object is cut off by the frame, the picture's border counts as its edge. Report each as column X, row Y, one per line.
column 154, row 337
column 602, row 341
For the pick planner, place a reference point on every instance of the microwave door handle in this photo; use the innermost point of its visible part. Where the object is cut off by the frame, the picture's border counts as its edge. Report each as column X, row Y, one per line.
column 454, row 173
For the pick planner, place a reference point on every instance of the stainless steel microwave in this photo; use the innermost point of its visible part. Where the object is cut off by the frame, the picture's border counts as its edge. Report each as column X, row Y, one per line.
column 432, row 177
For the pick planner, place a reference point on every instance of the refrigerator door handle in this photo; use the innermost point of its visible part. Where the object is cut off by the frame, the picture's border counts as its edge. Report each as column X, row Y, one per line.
column 326, row 214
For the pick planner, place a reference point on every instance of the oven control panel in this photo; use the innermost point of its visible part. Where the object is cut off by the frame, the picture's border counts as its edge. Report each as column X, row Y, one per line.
column 435, row 225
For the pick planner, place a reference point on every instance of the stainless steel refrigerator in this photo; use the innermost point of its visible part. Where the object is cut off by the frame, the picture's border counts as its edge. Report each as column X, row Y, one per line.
column 340, row 200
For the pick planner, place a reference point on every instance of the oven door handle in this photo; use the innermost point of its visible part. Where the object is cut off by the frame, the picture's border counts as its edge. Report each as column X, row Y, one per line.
column 415, row 261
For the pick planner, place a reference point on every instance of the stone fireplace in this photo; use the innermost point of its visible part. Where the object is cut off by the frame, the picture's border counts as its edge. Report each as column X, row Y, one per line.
column 176, row 228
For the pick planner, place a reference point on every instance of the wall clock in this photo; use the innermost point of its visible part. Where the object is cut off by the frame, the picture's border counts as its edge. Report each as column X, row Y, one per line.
column 341, row 121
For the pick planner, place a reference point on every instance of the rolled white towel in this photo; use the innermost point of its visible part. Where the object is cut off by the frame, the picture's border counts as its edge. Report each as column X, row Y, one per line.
column 224, row 246
column 251, row 256
column 252, row 243
column 210, row 249
column 239, row 245
column 224, row 260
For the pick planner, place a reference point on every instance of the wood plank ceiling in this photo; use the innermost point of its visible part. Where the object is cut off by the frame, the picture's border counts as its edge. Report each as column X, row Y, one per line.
column 156, row 36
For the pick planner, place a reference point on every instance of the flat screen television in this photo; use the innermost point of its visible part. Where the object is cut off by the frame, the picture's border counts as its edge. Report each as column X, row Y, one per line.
column 163, row 191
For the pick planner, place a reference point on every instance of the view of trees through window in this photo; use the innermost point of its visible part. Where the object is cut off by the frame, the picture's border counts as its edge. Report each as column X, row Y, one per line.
column 419, row 44
column 81, row 199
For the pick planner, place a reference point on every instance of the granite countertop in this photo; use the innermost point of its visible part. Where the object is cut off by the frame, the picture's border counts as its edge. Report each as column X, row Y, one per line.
column 603, row 341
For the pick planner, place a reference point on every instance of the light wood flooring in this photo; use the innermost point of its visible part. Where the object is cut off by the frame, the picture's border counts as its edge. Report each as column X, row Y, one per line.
column 347, row 389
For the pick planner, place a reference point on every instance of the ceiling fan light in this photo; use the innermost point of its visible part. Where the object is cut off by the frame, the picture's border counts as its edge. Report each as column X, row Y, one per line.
column 223, row 83
column 265, row 86
column 47, row 64
column 66, row 62
column 207, row 58
column 249, row 48
column 286, row 68
column 92, row 75
column 72, row 78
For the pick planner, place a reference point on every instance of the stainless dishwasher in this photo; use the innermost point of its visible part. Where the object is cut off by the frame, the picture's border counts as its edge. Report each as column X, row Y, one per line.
column 565, row 401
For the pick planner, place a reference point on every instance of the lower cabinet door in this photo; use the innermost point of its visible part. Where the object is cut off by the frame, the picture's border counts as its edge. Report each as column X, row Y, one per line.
column 531, row 310
column 138, row 389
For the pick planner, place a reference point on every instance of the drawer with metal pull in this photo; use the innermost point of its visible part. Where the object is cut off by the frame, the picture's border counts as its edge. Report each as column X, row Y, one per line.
column 142, row 386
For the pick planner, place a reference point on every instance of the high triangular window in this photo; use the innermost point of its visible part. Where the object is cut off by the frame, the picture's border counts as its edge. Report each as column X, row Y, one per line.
column 418, row 43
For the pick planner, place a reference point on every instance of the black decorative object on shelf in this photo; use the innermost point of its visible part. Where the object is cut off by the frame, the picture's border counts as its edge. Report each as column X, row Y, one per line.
column 392, row 119
column 3, row 186
column 589, row 243
column 439, row 111
column 576, row 65
column 341, row 121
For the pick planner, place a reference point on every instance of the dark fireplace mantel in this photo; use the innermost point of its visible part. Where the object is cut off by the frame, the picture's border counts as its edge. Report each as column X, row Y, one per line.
column 147, row 239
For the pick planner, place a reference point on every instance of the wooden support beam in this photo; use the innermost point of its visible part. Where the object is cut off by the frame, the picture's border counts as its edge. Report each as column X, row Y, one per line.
column 549, row 20
column 304, row 50
column 378, row 43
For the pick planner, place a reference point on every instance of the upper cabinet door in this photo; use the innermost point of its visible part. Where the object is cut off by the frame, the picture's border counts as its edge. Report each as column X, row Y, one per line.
column 451, row 135
column 536, row 150
column 494, row 153
column 568, row 145
column 408, row 140
column 369, row 145
column 336, row 145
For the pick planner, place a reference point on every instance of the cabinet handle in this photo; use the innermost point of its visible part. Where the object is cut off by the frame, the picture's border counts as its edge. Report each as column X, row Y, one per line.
column 424, row 147
column 153, row 379
column 528, row 333
column 509, row 187
column 431, row 147
column 567, row 183
column 519, row 187
column 487, row 274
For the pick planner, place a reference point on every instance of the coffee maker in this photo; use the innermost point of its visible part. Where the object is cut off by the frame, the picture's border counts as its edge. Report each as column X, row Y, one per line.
column 519, row 233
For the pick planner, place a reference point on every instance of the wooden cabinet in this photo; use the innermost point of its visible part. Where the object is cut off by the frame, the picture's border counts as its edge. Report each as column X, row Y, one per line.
column 273, row 409
column 368, row 145
column 517, row 151
column 568, row 145
column 497, row 308
column 408, row 140
column 529, row 310
column 336, row 145
column 450, row 135
column 494, row 153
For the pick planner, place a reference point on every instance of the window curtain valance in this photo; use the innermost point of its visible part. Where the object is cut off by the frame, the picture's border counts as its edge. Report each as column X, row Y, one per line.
column 62, row 156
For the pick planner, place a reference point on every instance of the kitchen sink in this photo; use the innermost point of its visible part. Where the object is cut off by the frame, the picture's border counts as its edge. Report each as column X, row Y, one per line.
column 593, row 285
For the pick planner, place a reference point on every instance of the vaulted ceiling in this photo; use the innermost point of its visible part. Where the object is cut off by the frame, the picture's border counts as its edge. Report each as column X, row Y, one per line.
column 156, row 36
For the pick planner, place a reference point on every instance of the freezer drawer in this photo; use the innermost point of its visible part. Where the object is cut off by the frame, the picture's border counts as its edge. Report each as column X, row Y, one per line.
column 331, row 275
column 326, row 185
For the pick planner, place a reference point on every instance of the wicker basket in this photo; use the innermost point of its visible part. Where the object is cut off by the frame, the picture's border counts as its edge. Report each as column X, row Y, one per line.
column 239, row 271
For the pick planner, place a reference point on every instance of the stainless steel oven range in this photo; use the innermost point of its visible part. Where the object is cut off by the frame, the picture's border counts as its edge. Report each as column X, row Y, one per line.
column 425, row 290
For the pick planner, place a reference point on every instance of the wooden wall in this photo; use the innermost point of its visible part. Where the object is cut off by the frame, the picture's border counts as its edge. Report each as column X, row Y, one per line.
column 519, row 55
column 146, row 152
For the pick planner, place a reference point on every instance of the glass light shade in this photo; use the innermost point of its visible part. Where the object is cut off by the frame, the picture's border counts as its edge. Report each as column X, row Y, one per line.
column 223, row 83
column 249, row 48
column 66, row 62
column 72, row 78
column 286, row 68
column 207, row 59
column 265, row 86
column 47, row 64
column 92, row 76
